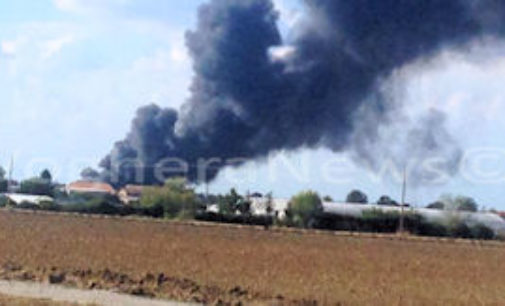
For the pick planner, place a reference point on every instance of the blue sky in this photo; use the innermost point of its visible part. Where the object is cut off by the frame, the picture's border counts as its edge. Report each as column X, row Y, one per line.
column 73, row 72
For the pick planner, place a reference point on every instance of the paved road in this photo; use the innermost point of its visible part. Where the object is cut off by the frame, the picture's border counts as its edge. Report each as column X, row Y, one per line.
column 63, row 294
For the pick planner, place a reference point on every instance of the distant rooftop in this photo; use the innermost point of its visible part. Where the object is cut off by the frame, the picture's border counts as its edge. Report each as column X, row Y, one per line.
column 90, row 187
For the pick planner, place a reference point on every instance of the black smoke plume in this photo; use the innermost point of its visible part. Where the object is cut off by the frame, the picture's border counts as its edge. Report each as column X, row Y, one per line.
column 245, row 104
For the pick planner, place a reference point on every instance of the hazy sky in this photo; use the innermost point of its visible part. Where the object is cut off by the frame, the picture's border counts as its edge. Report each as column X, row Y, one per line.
column 73, row 72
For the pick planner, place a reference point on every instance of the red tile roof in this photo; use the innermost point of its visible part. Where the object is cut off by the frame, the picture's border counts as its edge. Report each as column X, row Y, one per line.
column 90, row 187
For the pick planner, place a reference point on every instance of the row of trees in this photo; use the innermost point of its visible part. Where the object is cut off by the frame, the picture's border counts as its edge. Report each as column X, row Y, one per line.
column 359, row 197
column 306, row 210
column 232, row 202
column 175, row 200
column 460, row 203
column 307, row 204
column 40, row 185
column 446, row 202
column 172, row 200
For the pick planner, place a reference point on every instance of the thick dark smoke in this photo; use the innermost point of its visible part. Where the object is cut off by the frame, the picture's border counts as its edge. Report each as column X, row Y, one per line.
column 422, row 146
column 245, row 104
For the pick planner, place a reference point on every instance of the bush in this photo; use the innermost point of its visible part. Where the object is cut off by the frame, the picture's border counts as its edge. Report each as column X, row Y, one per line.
column 97, row 206
column 153, row 211
column 3, row 201
column 83, row 198
column 481, row 231
column 49, row 206
column 37, row 186
column 432, row 229
column 174, row 199
column 304, row 208
column 336, row 222
column 3, row 185
column 107, row 208
column 377, row 221
column 28, row 206
column 235, row 219
column 232, row 203
column 460, row 230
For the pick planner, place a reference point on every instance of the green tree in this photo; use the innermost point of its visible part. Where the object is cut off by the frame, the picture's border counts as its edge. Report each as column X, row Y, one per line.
column 437, row 205
column 244, row 206
column 304, row 207
column 466, row 204
column 460, row 203
column 328, row 199
column 3, row 201
column 3, row 182
column 229, row 203
column 357, row 196
column 174, row 198
column 387, row 201
column 4, row 185
column 37, row 186
column 46, row 176
column 177, row 184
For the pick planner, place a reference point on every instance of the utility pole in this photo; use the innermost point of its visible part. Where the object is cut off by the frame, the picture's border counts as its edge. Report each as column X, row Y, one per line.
column 401, row 228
